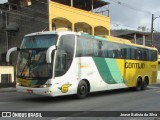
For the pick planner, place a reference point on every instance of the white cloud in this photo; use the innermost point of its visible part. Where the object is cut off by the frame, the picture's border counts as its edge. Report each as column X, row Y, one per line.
column 3, row 1
column 134, row 13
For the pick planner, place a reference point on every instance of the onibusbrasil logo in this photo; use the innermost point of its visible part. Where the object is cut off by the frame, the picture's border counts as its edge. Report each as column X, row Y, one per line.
column 21, row 114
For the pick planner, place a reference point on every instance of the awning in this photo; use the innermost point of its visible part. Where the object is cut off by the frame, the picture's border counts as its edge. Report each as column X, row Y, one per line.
column 83, row 4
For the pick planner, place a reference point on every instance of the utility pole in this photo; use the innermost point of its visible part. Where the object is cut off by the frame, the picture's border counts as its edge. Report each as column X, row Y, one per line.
column 152, row 29
column 71, row 3
column 92, row 6
column 6, row 23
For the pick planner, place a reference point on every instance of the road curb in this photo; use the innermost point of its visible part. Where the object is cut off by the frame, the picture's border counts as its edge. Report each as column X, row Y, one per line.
column 11, row 89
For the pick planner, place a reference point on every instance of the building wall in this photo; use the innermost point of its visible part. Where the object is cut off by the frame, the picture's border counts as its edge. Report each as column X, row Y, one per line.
column 28, row 19
column 40, row 16
column 88, row 20
column 2, row 35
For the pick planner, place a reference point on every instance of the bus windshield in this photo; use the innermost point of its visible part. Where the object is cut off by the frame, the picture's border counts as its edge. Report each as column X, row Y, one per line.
column 32, row 57
column 39, row 41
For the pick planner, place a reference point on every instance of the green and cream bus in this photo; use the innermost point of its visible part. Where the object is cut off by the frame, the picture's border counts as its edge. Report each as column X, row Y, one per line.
column 65, row 63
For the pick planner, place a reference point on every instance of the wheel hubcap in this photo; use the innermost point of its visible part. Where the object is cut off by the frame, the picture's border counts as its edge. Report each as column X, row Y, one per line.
column 83, row 89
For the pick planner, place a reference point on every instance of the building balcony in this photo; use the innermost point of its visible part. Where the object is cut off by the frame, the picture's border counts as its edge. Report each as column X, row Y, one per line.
column 64, row 17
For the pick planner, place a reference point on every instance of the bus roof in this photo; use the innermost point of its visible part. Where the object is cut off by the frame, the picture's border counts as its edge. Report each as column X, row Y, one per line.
column 51, row 32
column 108, row 38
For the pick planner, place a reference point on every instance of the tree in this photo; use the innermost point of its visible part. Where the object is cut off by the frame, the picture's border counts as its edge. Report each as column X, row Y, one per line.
column 142, row 28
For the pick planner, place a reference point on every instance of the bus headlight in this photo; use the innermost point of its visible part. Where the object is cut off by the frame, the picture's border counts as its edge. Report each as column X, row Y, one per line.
column 45, row 85
column 18, row 84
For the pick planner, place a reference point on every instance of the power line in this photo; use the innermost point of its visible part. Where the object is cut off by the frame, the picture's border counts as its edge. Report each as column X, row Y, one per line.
column 106, row 21
column 131, row 7
column 94, row 18
column 42, row 12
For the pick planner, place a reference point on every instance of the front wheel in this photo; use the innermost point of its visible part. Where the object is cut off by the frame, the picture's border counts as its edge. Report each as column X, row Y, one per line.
column 82, row 90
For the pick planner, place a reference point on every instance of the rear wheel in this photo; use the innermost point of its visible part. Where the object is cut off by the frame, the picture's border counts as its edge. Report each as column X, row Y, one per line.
column 139, row 84
column 82, row 90
column 145, row 83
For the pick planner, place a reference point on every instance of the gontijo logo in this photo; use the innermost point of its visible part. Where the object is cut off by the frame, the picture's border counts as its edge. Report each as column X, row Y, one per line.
column 134, row 65
column 64, row 88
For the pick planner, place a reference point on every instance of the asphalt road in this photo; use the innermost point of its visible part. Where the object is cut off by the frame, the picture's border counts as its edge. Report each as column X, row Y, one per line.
column 115, row 100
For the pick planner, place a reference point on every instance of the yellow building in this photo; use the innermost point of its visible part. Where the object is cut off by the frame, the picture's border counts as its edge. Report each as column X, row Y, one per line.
column 78, row 16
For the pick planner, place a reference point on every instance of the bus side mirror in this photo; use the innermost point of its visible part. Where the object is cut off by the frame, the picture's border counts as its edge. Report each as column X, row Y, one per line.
column 49, row 53
column 9, row 53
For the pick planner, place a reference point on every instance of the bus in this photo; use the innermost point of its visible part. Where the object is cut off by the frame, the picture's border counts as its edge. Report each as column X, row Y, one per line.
column 54, row 63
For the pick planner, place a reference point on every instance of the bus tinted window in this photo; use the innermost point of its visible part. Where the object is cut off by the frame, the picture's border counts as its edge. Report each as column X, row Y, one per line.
column 110, row 50
column 104, row 49
column 154, row 55
column 145, row 55
column 140, row 54
column 128, row 53
column 64, row 54
column 97, row 48
column 123, row 51
column 132, row 53
column 84, row 47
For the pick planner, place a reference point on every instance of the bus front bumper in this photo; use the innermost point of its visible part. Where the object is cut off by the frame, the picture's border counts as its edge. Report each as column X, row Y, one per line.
column 39, row 91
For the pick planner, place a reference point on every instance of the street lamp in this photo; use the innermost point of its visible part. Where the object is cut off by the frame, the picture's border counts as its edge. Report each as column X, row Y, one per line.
column 152, row 29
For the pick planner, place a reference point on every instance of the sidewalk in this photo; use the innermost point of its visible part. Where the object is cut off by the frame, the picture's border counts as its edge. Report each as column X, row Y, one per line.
column 10, row 89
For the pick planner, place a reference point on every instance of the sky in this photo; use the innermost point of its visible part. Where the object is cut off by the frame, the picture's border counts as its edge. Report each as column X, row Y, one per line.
column 3, row 1
column 129, row 14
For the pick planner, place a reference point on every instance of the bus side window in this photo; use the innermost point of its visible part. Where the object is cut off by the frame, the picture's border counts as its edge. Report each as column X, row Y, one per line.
column 124, row 52
column 115, row 53
column 65, row 51
column 118, row 53
column 132, row 53
column 145, row 55
column 104, row 50
column 128, row 53
column 139, row 54
column 110, row 53
column 150, row 55
column 110, row 50
column 154, row 55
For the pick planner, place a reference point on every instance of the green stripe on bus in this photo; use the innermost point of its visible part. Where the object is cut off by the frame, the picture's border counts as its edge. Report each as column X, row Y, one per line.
column 100, row 38
column 109, row 71
column 93, row 37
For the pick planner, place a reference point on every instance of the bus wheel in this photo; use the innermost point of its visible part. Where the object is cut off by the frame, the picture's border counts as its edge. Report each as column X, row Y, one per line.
column 145, row 83
column 82, row 90
column 139, row 84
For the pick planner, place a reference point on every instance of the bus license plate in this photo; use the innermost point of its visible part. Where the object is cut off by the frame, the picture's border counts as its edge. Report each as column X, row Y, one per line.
column 30, row 91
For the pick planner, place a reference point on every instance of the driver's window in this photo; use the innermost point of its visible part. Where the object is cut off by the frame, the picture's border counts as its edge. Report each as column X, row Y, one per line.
column 60, row 63
column 64, row 54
